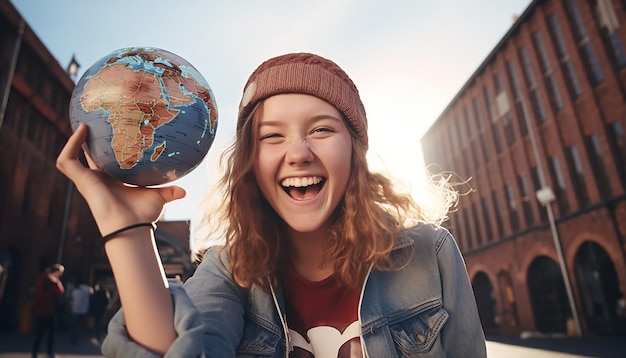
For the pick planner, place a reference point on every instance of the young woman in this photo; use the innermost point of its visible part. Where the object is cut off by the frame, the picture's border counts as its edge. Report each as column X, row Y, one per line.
column 319, row 259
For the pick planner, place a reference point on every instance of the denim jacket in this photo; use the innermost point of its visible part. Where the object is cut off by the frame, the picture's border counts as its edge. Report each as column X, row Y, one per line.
column 425, row 309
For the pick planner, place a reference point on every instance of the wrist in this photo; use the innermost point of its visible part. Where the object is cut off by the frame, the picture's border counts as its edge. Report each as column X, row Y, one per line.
column 117, row 232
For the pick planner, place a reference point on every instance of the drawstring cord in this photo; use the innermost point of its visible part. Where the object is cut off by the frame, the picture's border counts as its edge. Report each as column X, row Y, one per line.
column 288, row 343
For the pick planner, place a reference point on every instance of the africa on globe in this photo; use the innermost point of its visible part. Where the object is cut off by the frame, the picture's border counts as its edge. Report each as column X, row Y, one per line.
column 151, row 115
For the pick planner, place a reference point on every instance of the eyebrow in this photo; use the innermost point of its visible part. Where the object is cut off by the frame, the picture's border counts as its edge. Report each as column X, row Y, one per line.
column 264, row 123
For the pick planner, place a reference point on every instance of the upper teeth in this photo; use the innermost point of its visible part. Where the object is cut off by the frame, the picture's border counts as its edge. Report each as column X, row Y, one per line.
column 300, row 182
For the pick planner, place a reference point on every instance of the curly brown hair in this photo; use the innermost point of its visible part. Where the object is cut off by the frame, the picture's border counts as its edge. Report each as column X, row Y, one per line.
column 365, row 223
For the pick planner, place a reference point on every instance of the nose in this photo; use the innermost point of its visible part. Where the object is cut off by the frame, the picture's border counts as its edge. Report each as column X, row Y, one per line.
column 299, row 153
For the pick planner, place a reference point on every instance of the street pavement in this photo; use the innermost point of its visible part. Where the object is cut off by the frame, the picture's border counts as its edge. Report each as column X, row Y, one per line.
column 18, row 346
column 15, row 345
column 556, row 347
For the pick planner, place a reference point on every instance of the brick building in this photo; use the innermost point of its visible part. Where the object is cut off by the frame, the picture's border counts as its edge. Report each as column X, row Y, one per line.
column 544, row 118
column 43, row 219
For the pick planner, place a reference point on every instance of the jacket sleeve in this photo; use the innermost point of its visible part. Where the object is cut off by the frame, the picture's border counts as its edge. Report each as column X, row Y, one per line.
column 208, row 316
column 462, row 335
column 187, row 323
column 221, row 303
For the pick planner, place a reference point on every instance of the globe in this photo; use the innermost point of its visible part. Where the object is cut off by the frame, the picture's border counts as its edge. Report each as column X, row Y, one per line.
column 151, row 116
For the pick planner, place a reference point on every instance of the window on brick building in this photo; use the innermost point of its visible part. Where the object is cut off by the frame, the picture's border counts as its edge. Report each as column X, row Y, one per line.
column 485, row 151
column 529, row 75
column 548, row 74
column 468, row 121
column 33, row 128
column 454, row 139
column 559, row 187
column 480, row 123
column 46, row 142
column 537, row 103
column 463, row 133
column 498, row 210
column 577, row 174
column 618, row 53
column 46, row 89
column 609, row 25
column 571, row 79
column 5, row 42
column 548, row 296
column 555, row 95
column 497, row 84
column 517, row 96
column 596, row 158
column 617, row 142
column 480, row 120
column 491, row 109
column 16, row 110
column 29, row 68
column 59, row 100
column 478, row 234
column 594, row 70
column 588, row 55
column 502, row 106
column 445, row 153
column 526, row 198
column 486, row 218
column 464, row 164
column 474, row 151
column 509, row 131
column 493, row 115
column 486, row 301
column 495, row 131
column 513, row 216
column 442, row 145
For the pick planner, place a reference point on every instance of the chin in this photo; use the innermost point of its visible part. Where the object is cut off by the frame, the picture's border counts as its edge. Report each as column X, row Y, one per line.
column 305, row 225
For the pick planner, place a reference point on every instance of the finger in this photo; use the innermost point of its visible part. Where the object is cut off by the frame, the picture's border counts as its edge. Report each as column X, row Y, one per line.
column 67, row 161
column 171, row 193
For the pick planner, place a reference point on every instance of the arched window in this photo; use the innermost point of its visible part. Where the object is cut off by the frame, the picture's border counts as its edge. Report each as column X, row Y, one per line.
column 548, row 296
column 598, row 287
column 486, row 302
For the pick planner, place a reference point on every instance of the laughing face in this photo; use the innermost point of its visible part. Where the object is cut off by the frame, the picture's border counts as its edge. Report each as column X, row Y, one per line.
column 303, row 159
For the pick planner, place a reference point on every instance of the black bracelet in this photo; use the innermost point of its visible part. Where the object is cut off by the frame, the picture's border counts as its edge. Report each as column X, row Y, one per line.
column 108, row 237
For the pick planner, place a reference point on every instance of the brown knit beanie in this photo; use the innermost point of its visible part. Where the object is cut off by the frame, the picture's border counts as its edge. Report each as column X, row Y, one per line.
column 307, row 74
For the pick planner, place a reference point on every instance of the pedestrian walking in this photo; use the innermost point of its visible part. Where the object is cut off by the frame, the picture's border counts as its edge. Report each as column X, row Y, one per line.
column 79, row 302
column 48, row 290
column 97, row 308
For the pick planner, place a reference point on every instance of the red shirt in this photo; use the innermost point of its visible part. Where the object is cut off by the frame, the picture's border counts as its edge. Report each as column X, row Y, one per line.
column 322, row 318
column 46, row 293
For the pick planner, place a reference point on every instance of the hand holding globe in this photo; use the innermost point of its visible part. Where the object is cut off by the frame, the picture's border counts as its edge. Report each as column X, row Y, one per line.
column 151, row 115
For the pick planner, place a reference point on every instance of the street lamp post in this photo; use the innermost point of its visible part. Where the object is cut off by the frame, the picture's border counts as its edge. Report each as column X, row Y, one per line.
column 9, row 82
column 66, row 216
column 72, row 70
column 546, row 196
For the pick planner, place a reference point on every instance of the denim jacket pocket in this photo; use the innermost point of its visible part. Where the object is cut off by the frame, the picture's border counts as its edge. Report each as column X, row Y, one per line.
column 416, row 334
column 257, row 341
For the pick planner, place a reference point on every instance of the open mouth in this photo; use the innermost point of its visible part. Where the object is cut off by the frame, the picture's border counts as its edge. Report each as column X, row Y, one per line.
column 302, row 188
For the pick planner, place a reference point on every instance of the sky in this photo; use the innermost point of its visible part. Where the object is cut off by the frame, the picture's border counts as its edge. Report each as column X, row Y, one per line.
column 408, row 58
